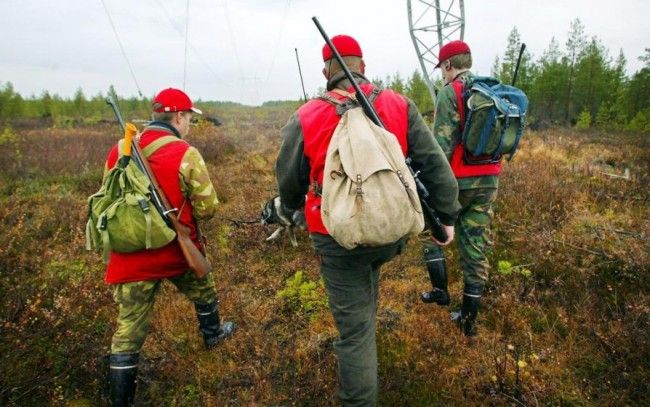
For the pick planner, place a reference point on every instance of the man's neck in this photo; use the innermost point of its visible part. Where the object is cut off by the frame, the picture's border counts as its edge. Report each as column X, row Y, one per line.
column 455, row 73
column 166, row 126
column 339, row 80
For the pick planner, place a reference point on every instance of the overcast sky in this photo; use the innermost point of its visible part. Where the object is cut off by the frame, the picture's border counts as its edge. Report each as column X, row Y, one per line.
column 243, row 50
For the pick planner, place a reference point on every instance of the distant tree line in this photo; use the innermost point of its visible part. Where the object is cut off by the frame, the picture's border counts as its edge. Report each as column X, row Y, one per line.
column 578, row 85
column 65, row 112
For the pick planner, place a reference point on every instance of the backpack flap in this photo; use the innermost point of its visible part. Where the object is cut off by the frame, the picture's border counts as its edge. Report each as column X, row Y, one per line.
column 482, row 131
column 495, row 120
column 368, row 196
column 131, row 223
column 515, row 103
column 360, row 156
column 121, row 216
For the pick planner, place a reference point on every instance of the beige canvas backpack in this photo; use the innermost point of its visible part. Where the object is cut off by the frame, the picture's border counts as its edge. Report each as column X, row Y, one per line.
column 369, row 197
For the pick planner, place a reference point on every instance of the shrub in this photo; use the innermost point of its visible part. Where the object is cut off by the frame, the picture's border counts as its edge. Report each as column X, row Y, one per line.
column 640, row 122
column 302, row 294
column 584, row 120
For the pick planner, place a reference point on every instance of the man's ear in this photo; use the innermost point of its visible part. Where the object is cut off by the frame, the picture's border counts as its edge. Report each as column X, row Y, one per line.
column 325, row 74
column 362, row 67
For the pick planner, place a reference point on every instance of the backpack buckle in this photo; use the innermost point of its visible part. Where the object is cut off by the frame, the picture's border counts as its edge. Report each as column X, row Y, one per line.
column 359, row 190
column 144, row 205
column 316, row 188
column 169, row 211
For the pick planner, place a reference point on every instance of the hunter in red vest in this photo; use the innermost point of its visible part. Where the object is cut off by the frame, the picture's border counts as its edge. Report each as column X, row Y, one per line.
column 136, row 277
column 477, row 185
column 351, row 276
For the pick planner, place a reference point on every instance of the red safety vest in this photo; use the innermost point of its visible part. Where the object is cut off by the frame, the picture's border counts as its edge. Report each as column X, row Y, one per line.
column 457, row 162
column 318, row 119
column 167, row 261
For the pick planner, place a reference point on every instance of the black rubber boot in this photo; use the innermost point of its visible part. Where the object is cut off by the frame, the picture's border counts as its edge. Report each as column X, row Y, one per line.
column 210, row 324
column 123, row 371
column 466, row 317
column 437, row 269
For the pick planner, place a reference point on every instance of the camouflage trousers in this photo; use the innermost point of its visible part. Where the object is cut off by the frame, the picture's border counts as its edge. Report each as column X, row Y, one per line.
column 473, row 234
column 135, row 302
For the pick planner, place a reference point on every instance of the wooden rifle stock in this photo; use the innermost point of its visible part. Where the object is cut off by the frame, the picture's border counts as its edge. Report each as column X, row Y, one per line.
column 195, row 258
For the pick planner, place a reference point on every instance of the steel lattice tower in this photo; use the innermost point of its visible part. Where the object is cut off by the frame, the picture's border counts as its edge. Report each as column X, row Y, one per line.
column 429, row 34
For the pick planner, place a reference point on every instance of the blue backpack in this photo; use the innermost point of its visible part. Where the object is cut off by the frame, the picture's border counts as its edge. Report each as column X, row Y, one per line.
column 493, row 119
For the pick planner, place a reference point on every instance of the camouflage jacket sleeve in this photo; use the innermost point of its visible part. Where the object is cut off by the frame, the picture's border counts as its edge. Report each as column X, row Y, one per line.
column 292, row 167
column 446, row 120
column 435, row 172
column 196, row 184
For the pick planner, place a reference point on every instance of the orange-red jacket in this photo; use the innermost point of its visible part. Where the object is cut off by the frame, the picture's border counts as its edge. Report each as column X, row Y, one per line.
column 318, row 119
column 167, row 261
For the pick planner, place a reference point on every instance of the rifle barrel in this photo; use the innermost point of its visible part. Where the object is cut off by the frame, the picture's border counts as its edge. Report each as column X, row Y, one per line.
column 302, row 83
column 521, row 53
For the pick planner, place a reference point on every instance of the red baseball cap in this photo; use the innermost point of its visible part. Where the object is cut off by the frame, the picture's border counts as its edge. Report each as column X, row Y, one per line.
column 450, row 49
column 345, row 45
column 173, row 100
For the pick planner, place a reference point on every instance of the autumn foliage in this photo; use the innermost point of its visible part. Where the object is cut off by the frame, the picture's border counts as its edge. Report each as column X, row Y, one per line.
column 564, row 322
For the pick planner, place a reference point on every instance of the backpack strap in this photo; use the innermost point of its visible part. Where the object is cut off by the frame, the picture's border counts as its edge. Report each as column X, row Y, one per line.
column 90, row 239
column 341, row 106
column 153, row 146
column 328, row 98
column 352, row 96
column 373, row 95
column 458, row 90
column 158, row 143
column 350, row 100
column 344, row 93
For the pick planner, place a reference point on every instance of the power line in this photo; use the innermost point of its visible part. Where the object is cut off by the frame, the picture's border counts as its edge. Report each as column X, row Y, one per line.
column 194, row 50
column 277, row 42
column 234, row 45
column 108, row 14
column 187, row 27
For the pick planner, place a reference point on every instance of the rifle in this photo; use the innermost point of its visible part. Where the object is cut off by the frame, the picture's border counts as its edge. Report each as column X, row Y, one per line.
column 521, row 52
column 193, row 255
column 437, row 229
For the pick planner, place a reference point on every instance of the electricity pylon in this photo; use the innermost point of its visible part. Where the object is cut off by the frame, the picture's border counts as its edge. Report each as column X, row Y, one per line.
column 428, row 36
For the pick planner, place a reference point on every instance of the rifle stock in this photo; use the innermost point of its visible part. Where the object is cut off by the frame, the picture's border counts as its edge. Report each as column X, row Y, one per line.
column 195, row 258
column 437, row 229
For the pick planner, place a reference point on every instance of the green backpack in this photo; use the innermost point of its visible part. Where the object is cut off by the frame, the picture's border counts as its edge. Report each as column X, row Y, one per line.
column 493, row 118
column 121, row 215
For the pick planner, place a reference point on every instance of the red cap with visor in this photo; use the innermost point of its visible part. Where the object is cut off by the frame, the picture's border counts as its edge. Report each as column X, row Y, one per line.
column 173, row 100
